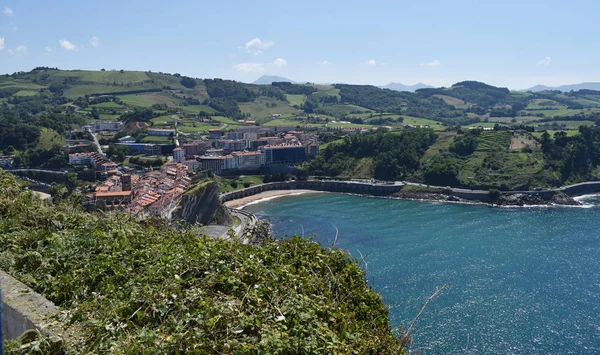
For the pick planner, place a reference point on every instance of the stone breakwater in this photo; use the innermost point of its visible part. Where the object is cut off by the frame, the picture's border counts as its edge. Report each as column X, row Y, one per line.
column 560, row 196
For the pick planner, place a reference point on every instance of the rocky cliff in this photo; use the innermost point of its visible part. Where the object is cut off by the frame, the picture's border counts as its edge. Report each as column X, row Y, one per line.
column 201, row 204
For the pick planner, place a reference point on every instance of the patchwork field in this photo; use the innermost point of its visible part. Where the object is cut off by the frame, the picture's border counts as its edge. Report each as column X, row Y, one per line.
column 458, row 103
column 297, row 100
column 108, row 76
column 523, row 140
column 263, row 108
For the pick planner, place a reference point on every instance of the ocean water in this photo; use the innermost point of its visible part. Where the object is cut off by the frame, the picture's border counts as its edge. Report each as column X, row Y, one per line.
column 524, row 280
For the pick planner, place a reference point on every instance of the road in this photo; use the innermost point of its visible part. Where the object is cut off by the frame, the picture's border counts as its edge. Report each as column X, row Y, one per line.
column 247, row 220
column 39, row 170
column 97, row 144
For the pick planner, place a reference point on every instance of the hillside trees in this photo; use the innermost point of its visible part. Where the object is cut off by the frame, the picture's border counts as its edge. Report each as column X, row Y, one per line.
column 394, row 155
column 188, row 82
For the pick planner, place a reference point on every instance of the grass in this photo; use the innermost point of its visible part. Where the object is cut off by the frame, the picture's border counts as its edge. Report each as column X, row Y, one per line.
column 326, row 91
column 341, row 110
column 189, row 126
column 195, row 109
column 259, row 111
column 162, row 120
column 416, row 121
column 519, row 119
column 156, row 139
column 325, row 145
column 493, row 165
column 295, row 99
column 573, row 124
column 486, row 124
column 136, row 100
column 109, row 76
column 570, row 133
column 286, row 122
column 49, row 138
column 225, row 183
column 543, row 103
column 458, row 103
column 27, row 93
column 90, row 89
column 109, row 105
column 21, row 85
column 559, row 111
column 442, row 143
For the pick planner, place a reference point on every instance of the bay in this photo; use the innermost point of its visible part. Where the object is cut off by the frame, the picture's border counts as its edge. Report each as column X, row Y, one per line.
column 524, row 280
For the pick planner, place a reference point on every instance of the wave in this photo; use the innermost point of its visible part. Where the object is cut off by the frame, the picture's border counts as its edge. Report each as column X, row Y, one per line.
column 269, row 198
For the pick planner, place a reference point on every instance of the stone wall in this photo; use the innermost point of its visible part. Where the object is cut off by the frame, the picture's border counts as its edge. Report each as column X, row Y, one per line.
column 24, row 309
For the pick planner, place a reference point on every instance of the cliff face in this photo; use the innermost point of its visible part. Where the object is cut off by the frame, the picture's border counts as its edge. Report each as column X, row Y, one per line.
column 201, row 204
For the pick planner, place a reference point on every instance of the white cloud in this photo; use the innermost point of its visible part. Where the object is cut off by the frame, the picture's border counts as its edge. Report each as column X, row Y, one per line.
column 546, row 61
column 95, row 42
column 250, row 67
column 1, row 43
column 325, row 62
column 48, row 51
column 67, row 45
column 8, row 11
column 256, row 45
column 372, row 62
column 433, row 63
column 280, row 62
column 21, row 49
column 11, row 52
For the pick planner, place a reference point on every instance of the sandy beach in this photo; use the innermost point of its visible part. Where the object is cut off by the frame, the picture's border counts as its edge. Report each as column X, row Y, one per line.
column 267, row 195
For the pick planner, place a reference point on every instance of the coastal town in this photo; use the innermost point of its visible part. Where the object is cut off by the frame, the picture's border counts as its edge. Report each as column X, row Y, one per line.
column 155, row 190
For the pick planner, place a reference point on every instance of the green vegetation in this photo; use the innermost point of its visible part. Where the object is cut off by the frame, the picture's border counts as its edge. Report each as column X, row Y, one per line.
column 240, row 182
column 295, row 100
column 134, row 286
column 395, row 154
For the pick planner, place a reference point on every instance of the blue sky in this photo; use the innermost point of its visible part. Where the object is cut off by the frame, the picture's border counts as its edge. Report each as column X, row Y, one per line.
column 516, row 44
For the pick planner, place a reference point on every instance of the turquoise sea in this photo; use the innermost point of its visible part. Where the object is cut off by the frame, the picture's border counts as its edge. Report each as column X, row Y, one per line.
column 525, row 280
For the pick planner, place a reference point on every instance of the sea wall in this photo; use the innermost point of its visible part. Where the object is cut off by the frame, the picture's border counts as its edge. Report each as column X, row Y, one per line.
column 377, row 189
column 353, row 187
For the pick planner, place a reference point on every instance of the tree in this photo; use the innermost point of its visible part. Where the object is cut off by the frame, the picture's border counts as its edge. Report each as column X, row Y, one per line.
column 71, row 181
column 188, row 82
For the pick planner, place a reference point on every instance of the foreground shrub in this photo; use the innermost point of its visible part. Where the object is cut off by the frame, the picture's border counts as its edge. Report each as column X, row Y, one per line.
column 145, row 287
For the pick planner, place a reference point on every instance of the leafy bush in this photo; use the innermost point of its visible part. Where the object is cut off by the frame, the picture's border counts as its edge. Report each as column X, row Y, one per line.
column 142, row 286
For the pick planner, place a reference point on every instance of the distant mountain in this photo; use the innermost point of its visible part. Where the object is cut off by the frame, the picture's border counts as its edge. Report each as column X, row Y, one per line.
column 565, row 88
column 269, row 79
column 402, row 87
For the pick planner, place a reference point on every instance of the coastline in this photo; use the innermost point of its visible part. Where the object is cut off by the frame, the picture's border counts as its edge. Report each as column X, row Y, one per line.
column 240, row 203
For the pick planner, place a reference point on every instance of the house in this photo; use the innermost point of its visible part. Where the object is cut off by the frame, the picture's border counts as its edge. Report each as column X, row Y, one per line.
column 192, row 164
column 80, row 159
column 284, row 154
column 234, row 135
column 194, row 148
column 276, row 115
column 178, row 155
column 211, row 163
column 249, row 160
column 6, row 161
column 214, row 134
column 229, row 162
column 231, row 145
column 100, row 126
